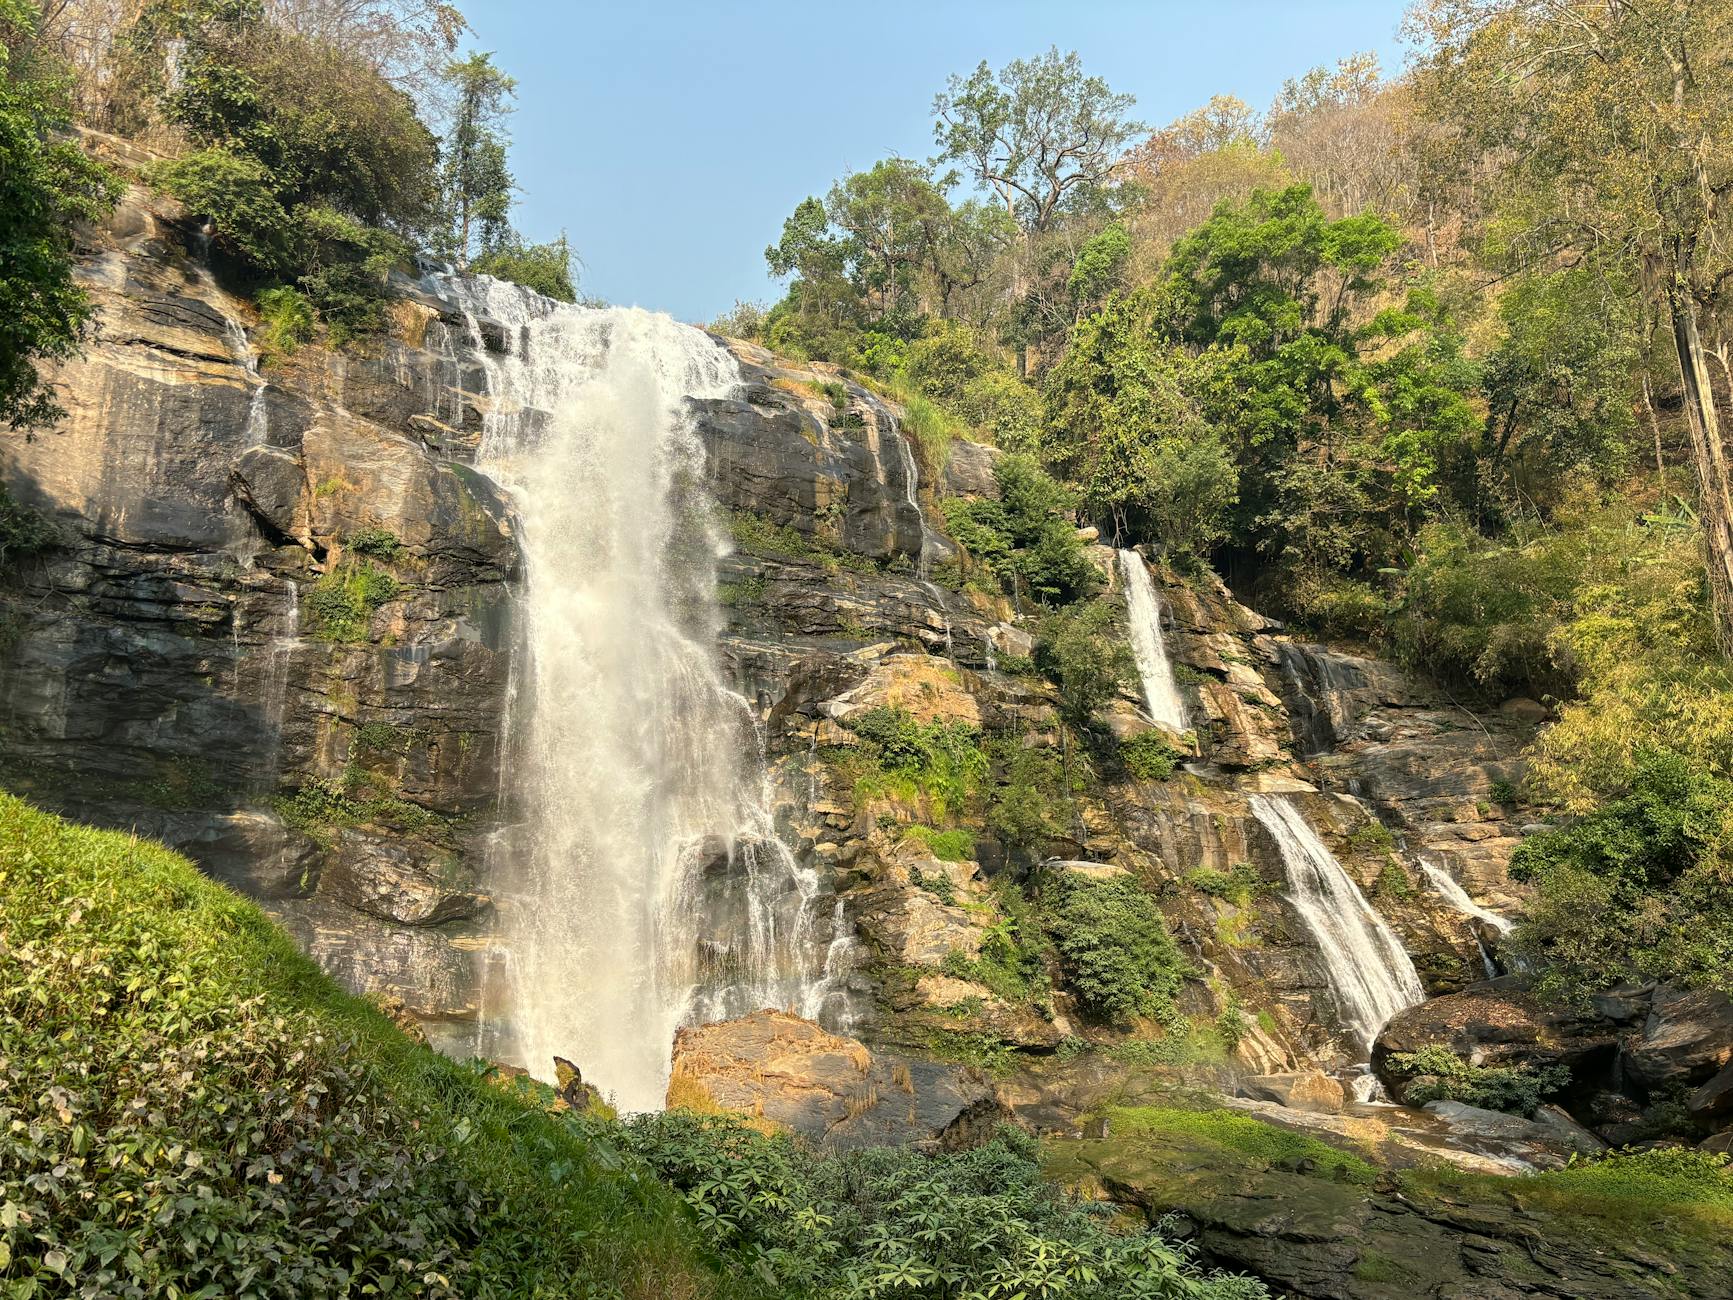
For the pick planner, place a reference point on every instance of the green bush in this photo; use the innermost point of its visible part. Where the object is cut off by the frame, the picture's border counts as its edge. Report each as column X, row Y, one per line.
column 546, row 268
column 940, row 762
column 1435, row 1073
column 1031, row 798
column 1236, row 885
column 380, row 543
column 188, row 1107
column 285, row 320
column 1026, row 536
column 885, row 1221
column 1149, row 756
column 1012, row 962
column 342, row 603
column 1114, row 944
column 1081, row 650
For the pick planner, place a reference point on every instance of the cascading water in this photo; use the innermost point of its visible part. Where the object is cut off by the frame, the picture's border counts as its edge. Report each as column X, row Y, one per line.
column 1369, row 971
column 1454, row 894
column 645, row 886
column 1159, row 690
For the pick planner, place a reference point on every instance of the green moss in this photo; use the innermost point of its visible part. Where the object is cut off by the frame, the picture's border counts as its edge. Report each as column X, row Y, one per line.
column 1237, row 885
column 734, row 595
column 1373, row 837
column 1242, row 1139
column 756, row 535
column 359, row 799
column 170, row 1058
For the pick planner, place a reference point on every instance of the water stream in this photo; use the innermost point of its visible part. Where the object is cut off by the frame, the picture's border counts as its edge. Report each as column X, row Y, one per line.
column 1160, row 691
column 1370, row 974
column 645, row 886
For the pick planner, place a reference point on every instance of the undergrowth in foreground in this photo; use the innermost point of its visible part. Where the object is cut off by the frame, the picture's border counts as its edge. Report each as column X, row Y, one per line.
column 188, row 1107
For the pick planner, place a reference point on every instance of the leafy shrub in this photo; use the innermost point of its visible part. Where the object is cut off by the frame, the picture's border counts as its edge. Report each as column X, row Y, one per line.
column 1435, row 1073
column 545, row 268
column 342, row 602
column 1149, row 756
column 1080, row 650
column 884, row 1220
column 358, row 799
column 1026, row 536
column 188, row 1106
column 285, row 320
column 380, row 543
column 1236, row 885
column 1032, row 794
column 1115, row 947
column 1012, row 962
column 939, row 762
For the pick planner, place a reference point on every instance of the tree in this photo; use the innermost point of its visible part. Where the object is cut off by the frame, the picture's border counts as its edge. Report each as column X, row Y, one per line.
column 546, row 268
column 896, row 223
column 1624, row 121
column 478, row 183
column 1037, row 134
column 46, row 184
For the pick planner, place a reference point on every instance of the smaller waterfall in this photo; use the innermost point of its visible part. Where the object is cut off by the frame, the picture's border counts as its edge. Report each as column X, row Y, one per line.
column 1159, row 690
column 1454, row 894
column 1369, row 971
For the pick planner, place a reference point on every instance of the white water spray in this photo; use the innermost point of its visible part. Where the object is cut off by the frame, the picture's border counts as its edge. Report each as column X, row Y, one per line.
column 646, row 887
column 1159, row 689
column 1369, row 971
column 1454, row 894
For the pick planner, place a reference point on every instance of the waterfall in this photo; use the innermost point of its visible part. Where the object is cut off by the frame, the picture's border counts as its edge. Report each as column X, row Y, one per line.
column 644, row 887
column 1369, row 972
column 1159, row 690
column 1454, row 894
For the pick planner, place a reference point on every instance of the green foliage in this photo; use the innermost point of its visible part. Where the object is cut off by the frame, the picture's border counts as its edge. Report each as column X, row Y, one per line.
column 1237, row 885
column 46, row 184
column 1149, row 756
column 1113, row 942
column 1122, row 424
column 882, row 1221
column 946, row 846
column 1012, row 962
column 1026, row 536
column 286, row 320
column 379, row 543
column 477, row 183
column 1638, row 888
column 1435, row 1073
column 23, row 532
column 1371, row 836
column 189, row 1107
column 1081, row 651
column 756, row 535
column 1031, row 796
column 343, row 601
column 546, row 268
column 359, row 799
column 939, row 762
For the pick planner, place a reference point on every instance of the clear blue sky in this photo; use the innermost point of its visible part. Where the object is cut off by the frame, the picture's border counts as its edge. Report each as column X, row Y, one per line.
column 670, row 138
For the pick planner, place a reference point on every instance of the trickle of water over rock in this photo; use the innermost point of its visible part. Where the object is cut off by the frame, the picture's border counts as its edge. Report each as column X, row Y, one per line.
column 1160, row 692
column 1454, row 894
column 645, row 887
column 1369, row 971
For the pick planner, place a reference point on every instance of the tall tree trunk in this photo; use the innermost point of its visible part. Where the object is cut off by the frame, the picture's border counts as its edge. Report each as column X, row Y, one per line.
column 1715, row 487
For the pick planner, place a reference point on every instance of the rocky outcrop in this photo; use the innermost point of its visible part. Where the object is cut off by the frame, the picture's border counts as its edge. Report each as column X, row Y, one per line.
column 795, row 1076
column 1317, row 1231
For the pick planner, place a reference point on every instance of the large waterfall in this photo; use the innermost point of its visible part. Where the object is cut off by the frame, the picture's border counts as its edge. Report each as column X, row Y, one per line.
column 1147, row 643
column 643, row 886
column 1369, row 971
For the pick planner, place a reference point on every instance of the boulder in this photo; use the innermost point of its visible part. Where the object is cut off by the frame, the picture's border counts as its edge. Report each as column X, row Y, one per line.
column 1712, row 1103
column 1308, row 1090
column 1686, row 1039
column 793, row 1074
column 969, row 469
column 1500, row 1023
column 1551, row 1131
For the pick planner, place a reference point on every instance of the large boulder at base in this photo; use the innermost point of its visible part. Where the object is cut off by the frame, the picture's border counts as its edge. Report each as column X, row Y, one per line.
column 1310, row 1090
column 1500, row 1023
column 798, row 1076
column 1685, row 1040
column 1550, row 1131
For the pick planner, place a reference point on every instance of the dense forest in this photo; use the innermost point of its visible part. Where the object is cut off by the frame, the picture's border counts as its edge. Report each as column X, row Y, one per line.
column 1430, row 364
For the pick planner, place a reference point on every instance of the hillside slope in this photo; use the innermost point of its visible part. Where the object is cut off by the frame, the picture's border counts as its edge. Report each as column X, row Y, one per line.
column 188, row 1106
